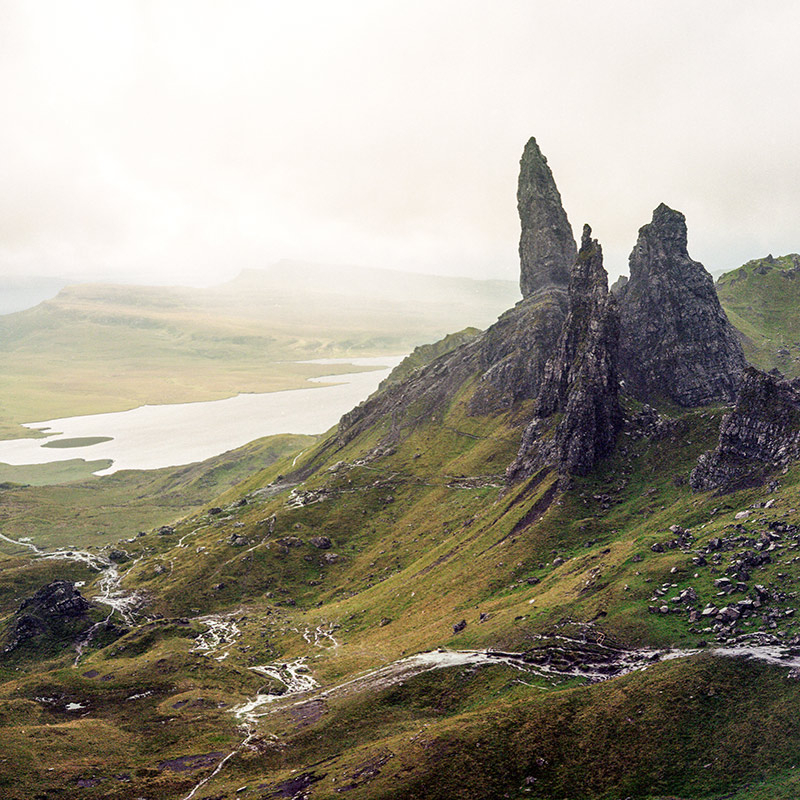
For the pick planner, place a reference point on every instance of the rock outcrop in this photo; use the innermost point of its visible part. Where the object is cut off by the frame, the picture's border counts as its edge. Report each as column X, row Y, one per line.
column 546, row 246
column 761, row 434
column 508, row 358
column 53, row 608
column 675, row 341
column 580, row 380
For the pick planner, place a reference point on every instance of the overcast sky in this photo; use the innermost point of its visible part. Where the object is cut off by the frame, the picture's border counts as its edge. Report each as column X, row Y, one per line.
column 180, row 141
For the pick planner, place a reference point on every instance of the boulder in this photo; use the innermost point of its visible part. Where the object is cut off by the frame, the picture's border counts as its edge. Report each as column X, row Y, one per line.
column 321, row 542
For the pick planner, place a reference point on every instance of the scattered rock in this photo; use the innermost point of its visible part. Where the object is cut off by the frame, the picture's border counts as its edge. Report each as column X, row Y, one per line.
column 321, row 542
column 46, row 612
column 290, row 541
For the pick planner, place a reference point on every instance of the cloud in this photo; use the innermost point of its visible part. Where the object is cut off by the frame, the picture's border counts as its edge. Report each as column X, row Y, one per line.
column 185, row 140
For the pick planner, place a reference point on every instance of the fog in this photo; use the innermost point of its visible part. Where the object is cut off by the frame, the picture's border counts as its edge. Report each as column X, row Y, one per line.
column 180, row 142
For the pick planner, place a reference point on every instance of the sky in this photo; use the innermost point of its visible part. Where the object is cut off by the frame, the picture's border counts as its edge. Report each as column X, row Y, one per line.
column 172, row 141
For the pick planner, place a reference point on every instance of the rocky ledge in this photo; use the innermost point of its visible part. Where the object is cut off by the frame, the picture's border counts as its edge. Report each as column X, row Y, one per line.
column 760, row 435
column 46, row 611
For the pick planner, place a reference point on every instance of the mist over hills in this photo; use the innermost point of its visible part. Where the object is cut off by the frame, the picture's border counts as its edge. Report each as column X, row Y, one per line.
column 179, row 344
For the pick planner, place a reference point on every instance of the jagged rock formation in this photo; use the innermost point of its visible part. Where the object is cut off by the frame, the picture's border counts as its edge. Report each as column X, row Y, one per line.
column 514, row 351
column 580, row 379
column 675, row 341
column 508, row 358
column 618, row 285
column 46, row 611
column 546, row 246
column 761, row 434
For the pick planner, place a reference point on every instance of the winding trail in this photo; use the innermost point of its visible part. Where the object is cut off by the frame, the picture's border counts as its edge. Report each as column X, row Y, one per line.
column 610, row 662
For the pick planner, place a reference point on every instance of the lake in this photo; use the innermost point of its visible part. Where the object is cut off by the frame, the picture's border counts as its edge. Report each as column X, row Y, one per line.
column 150, row 437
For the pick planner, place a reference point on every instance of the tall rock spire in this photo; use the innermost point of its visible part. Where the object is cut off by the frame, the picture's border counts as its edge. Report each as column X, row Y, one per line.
column 675, row 341
column 580, row 379
column 546, row 247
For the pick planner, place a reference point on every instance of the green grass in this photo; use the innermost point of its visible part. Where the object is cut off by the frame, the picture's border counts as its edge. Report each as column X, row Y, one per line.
column 426, row 534
column 94, row 511
column 81, row 441
column 56, row 472
column 761, row 300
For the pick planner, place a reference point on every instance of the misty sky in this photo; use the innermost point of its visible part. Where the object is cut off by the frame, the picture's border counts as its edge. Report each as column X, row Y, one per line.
column 180, row 141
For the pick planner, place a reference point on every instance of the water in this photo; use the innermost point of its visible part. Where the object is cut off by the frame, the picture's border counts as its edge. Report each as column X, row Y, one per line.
column 151, row 437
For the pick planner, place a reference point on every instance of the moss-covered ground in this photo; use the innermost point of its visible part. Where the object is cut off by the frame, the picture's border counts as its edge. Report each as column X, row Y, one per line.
column 418, row 537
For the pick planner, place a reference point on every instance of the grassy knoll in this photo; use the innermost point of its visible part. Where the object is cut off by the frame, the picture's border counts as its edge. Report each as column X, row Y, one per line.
column 761, row 299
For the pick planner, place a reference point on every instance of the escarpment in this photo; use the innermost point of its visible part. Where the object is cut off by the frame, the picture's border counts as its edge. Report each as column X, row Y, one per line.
column 675, row 341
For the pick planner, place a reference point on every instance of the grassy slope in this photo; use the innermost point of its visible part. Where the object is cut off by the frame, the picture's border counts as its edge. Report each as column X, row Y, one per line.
column 761, row 299
column 99, row 510
column 419, row 549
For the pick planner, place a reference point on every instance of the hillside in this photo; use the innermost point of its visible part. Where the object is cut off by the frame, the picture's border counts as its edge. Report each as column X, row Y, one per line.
column 553, row 559
column 97, row 348
column 761, row 299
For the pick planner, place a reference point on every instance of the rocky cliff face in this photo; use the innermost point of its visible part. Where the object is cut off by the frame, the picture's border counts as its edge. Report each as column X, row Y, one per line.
column 509, row 358
column 546, row 246
column 761, row 434
column 675, row 341
column 580, row 380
